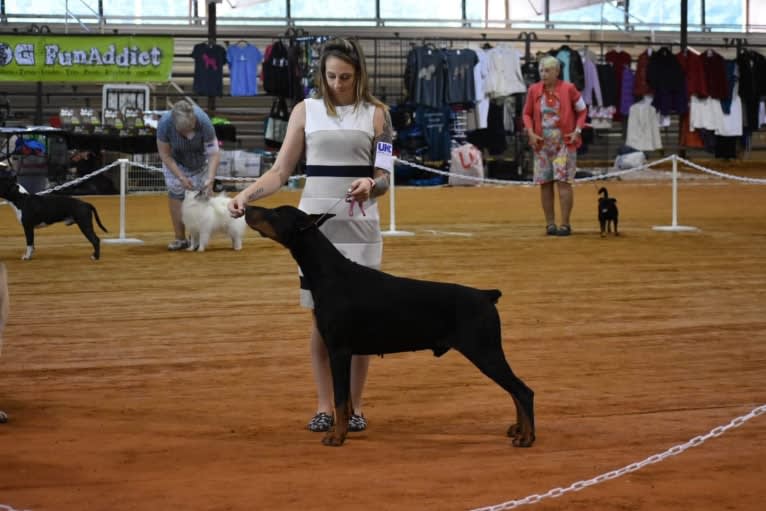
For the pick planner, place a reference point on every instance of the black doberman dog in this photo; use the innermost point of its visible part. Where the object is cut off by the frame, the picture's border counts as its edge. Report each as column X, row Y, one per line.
column 362, row 311
column 42, row 210
column 607, row 212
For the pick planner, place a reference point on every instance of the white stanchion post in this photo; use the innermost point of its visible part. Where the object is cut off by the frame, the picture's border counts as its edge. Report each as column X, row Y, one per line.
column 392, row 212
column 123, row 191
column 674, row 227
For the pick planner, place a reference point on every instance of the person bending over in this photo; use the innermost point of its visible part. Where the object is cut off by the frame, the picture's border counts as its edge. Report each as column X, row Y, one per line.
column 188, row 148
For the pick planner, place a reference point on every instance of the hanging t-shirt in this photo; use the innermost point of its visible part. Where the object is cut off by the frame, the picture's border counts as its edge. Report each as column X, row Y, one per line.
column 461, row 87
column 208, row 69
column 243, row 67
column 619, row 60
column 435, row 125
column 425, row 75
column 481, row 102
column 505, row 76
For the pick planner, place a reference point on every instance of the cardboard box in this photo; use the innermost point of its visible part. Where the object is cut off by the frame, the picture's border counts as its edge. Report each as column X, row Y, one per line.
column 247, row 164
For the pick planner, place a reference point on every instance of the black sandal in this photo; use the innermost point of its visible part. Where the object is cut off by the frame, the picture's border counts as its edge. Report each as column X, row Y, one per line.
column 357, row 423
column 320, row 423
column 551, row 230
column 564, row 230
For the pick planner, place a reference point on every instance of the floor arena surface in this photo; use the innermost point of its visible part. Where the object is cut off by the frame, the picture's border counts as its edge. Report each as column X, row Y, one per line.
column 153, row 380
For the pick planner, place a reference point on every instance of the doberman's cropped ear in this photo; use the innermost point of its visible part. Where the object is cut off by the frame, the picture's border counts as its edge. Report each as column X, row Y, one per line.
column 319, row 219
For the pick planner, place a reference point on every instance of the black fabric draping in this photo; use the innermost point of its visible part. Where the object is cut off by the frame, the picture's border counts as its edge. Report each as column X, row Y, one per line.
column 752, row 84
column 134, row 144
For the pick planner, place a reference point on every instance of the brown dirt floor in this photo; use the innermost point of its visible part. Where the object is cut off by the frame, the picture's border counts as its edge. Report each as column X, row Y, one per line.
column 152, row 380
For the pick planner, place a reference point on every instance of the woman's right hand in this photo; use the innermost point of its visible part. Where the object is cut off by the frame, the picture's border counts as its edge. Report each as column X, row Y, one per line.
column 186, row 182
column 535, row 140
column 237, row 205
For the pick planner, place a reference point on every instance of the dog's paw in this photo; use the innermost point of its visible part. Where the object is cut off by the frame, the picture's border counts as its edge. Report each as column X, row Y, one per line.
column 524, row 441
column 333, row 440
column 520, row 438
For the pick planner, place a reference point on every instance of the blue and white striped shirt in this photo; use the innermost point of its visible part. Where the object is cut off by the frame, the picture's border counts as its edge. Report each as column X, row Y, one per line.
column 189, row 153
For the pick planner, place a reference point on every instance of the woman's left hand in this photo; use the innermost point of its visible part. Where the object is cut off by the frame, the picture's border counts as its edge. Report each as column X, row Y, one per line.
column 361, row 189
column 571, row 138
column 208, row 187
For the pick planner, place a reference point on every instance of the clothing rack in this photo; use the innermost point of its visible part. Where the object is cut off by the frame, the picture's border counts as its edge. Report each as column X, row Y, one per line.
column 459, row 125
column 528, row 37
column 739, row 42
column 396, row 36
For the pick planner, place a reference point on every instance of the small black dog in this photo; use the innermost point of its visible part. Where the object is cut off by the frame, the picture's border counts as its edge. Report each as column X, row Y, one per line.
column 607, row 212
column 42, row 210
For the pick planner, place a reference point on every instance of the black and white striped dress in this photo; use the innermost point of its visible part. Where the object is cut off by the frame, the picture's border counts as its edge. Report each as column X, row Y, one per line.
column 338, row 151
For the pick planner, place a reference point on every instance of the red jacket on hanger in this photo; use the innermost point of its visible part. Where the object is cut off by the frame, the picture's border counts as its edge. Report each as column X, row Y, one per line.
column 641, row 87
column 691, row 63
column 715, row 74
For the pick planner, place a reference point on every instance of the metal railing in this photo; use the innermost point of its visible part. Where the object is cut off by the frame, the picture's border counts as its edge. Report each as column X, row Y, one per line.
column 101, row 22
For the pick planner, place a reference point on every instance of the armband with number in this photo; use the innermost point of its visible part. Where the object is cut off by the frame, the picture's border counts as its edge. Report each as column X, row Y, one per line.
column 384, row 156
column 211, row 147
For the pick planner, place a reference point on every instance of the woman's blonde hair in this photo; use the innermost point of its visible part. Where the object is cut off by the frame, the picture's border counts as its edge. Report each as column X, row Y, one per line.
column 349, row 51
column 549, row 61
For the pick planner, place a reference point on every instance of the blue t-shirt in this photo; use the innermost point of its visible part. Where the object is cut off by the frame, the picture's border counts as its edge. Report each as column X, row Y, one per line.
column 189, row 153
column 435, row 125
column 563, row 57
column 243, row 67
column 426, row 74
column 460, row 86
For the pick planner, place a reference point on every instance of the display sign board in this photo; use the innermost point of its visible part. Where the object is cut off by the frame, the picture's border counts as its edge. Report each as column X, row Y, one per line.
column 52, row 58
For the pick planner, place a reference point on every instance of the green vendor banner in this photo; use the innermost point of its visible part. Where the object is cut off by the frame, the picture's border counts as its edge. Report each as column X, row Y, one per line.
column 51, row 58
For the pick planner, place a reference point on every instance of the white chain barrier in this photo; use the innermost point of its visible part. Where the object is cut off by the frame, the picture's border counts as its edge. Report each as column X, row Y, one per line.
column 218, row 178
column 143, row 166
column 75, row 182
column 721, row 174
column 609, row 175
column 507, row 182
column 481, row 180
column 484, row 180
column 613, row 474
column 619, row 173
column 3, row 507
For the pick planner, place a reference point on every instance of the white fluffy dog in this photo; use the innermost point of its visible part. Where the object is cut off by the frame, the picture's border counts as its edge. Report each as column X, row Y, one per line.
column 203, row 216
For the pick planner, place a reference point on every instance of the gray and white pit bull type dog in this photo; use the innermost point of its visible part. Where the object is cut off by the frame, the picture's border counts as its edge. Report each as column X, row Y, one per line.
column 41, row 210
